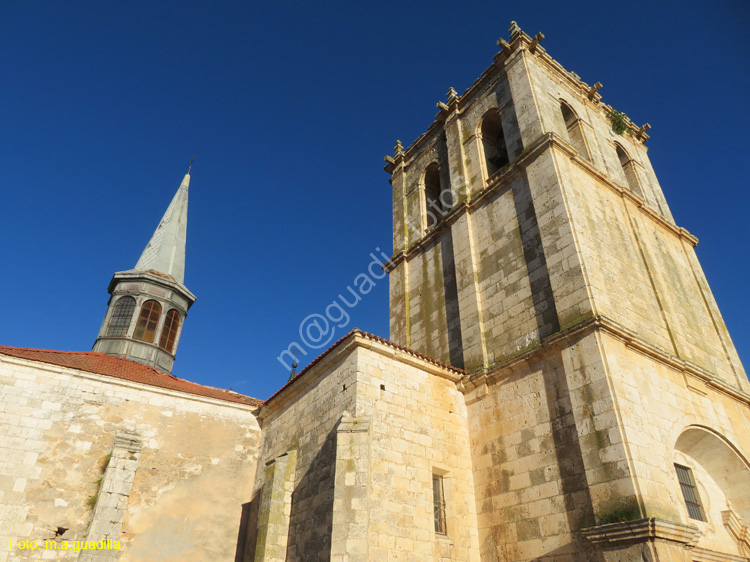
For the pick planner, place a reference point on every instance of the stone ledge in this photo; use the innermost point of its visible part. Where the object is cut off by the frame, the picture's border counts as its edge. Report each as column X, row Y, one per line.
column 642, row 530
column 705, row 555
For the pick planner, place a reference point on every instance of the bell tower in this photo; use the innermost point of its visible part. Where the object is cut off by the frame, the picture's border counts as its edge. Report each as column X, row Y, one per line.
column 530, row 206
column 149, row 303
column 534, row 248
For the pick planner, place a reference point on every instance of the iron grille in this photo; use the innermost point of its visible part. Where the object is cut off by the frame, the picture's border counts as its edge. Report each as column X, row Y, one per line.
column 689, row 492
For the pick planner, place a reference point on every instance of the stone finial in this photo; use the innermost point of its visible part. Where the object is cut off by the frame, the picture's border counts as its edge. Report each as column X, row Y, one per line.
column 399, row 148
column 514, row 29
column 451, row 93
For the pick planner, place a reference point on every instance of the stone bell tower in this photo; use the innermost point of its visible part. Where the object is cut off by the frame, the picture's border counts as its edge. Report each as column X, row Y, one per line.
column 533, row 247
column 149, row 303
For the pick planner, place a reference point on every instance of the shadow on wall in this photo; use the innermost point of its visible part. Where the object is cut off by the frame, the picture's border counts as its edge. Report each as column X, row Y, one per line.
column 311, row 517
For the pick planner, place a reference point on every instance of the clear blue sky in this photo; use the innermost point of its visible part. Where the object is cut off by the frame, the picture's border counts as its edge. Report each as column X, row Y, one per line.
column 289, row 109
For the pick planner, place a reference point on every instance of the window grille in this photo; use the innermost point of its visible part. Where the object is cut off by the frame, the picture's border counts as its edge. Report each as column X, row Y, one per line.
column 121, row 317
column 690, row 492
column 148, row 319
column 169, row 331
column 438, row 499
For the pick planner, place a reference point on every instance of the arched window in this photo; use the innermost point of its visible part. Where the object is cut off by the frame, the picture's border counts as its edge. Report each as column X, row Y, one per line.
column 575, row 129
column 169, row 331
column 148, row 319
column 493, row 143
column 713, row 477
column 432, row 191
column 628, row 166
column 121, row 317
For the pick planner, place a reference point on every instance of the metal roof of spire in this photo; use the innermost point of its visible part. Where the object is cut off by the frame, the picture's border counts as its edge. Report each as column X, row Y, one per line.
column 165, row 252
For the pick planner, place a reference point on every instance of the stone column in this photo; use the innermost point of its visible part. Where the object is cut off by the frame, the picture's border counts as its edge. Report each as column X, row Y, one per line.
column 352, row 485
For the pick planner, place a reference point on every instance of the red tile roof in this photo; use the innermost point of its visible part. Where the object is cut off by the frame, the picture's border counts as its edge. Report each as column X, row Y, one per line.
column 125, row 369
column 372, row 337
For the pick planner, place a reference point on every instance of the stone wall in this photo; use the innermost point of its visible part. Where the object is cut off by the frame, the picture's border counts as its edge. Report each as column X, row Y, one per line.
column 660, row 406
column 546, row 451
column 86, row 455
column 369, row 426
column 559, row 235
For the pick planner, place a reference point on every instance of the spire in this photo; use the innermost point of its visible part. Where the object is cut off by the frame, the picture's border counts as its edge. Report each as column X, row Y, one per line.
column 165, row 251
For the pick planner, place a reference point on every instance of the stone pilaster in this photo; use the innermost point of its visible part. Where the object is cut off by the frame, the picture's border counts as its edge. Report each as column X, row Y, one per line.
column 112, row 499
column 275, row 508
column 349, row 541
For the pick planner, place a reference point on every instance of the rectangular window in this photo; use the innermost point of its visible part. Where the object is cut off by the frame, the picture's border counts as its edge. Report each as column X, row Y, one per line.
column 438, row 500
column 690, row 492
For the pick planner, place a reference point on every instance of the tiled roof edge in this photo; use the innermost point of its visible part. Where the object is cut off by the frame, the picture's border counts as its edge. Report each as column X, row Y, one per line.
column 372, row 337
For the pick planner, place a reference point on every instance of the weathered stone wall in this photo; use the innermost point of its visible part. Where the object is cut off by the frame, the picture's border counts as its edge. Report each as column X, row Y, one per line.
column 632, row 258
column 303, row 420
column 659, row 405
column 180, row 496
column 370, row 426
column 547, row 453
column 418, row 428
column 556, row 237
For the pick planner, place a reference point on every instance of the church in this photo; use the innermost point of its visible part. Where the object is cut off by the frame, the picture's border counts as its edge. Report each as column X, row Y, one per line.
column 558, row 384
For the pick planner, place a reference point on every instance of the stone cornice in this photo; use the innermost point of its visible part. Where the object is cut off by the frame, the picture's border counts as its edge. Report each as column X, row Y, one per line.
column 136, row 276
column 521, row 45
column 623, row 191
column 136, row 386
column 629, row 338
column 705, row 555
column 503, row 177
column 616, row 534
column 319, row 368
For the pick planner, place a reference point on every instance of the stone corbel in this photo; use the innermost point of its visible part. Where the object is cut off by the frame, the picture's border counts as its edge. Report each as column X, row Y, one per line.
column 641, row 134
column 504, row 46
column 592, row 94
column 535, row 42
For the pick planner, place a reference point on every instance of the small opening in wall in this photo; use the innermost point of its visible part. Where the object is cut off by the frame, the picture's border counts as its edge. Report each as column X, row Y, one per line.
column 60, row 531
column 343, row 387
column 382, row 387
column 438, row 499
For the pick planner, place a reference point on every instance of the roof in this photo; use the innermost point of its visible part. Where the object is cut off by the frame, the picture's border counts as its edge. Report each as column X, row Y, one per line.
column 372, row 337
column 165, row 252
column 125, row 369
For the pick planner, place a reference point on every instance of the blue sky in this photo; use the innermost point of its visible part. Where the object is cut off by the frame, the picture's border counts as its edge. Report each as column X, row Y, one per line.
column 289, row 108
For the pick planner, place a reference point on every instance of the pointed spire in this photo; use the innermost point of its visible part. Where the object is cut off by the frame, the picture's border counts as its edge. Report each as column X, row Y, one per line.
column 165, row 251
